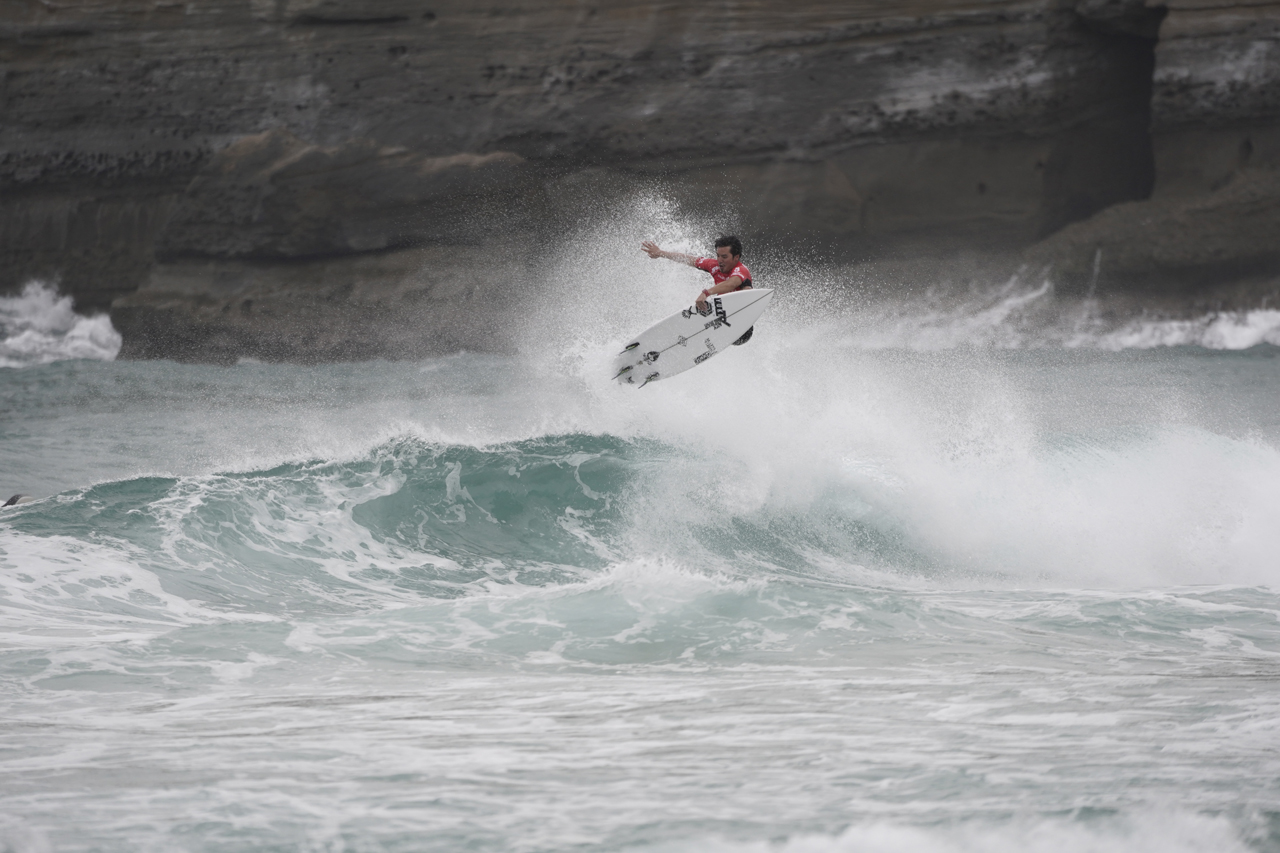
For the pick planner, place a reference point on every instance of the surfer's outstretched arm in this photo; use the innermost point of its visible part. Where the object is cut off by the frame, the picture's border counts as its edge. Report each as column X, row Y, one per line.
column 651, row 249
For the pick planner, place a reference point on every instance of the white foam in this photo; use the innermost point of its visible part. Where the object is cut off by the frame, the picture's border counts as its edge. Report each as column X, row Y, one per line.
column 1150, row 832
column 998, row 318
column 953, row 454
column 38, row 327
column 59, row 590
column 1026, row 316
column 1236, row 330
column 16, row 837
column 1179, row 507
column 965, row 457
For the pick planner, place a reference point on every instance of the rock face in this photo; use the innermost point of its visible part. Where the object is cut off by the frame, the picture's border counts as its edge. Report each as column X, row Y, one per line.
column 402, row 304
column 273, row 196
column 1207, row 233
column 217, row 172
column 1213, row 250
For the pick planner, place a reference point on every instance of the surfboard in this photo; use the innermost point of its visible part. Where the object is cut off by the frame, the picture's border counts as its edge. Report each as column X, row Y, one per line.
column 689, row 337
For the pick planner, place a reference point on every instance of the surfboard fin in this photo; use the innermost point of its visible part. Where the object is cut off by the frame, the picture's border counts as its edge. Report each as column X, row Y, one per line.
column 629, row 347
column 623, row 370
column 648, row 379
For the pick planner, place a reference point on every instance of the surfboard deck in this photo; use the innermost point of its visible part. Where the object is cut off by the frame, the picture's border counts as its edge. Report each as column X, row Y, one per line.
column 688, row 338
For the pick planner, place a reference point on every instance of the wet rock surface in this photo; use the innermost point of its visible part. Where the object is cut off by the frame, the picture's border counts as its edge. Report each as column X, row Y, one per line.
column 318, row 179
column 1199, row 247
column 401, row 304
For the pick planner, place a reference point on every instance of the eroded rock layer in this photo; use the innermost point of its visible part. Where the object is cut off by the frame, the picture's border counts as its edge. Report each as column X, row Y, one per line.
column 180, row 161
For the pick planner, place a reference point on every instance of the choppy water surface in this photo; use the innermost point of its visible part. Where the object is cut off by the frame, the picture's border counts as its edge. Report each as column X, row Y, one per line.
column 829, row 592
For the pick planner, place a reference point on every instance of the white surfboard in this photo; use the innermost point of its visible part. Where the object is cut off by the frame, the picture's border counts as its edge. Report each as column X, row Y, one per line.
column 688, row 338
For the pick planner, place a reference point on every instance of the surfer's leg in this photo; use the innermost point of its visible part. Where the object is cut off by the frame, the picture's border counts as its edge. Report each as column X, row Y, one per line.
column 746, row 336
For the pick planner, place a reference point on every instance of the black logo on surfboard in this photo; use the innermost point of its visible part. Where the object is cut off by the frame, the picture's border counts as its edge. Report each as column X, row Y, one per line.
column 721, row 317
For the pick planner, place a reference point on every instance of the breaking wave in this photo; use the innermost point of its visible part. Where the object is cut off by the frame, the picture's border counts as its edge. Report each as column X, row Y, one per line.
column 38, row 327
column 1022, row 316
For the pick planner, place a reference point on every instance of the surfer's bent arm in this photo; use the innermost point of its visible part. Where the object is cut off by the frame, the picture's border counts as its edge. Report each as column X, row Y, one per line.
column 651, row 249
column 729, row 285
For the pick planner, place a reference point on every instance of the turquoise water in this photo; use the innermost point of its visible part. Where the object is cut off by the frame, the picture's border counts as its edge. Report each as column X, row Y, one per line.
column 825, row 593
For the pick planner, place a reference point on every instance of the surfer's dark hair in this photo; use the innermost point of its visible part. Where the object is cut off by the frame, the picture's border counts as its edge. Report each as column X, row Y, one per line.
column 734, row 244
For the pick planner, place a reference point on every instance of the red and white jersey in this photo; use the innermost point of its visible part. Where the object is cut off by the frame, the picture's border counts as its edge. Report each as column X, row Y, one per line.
column 712, row 266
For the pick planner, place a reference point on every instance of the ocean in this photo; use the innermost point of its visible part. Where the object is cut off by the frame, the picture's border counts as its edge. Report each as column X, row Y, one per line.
column 952, row 575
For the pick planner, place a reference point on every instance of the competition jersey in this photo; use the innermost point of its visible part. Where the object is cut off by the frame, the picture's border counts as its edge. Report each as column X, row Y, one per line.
column 712, row 266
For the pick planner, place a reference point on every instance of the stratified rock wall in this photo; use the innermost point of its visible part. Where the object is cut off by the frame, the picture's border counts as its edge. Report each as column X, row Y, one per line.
column 150, row 145
column 1216, row 102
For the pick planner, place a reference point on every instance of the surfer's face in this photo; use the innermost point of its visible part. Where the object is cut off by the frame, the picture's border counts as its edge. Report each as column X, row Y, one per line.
column 727, row 260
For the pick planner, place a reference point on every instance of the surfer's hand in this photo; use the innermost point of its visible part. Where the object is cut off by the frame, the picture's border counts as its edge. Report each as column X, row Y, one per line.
column 651, row 249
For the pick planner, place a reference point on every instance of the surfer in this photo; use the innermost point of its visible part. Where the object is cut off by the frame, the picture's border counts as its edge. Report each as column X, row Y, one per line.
column 726, row 268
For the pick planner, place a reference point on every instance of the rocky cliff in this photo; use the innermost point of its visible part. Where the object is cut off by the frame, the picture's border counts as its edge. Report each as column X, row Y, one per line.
column 278, row 178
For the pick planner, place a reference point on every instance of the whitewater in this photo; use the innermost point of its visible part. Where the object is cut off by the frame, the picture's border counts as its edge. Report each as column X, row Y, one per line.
column 978, row 574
